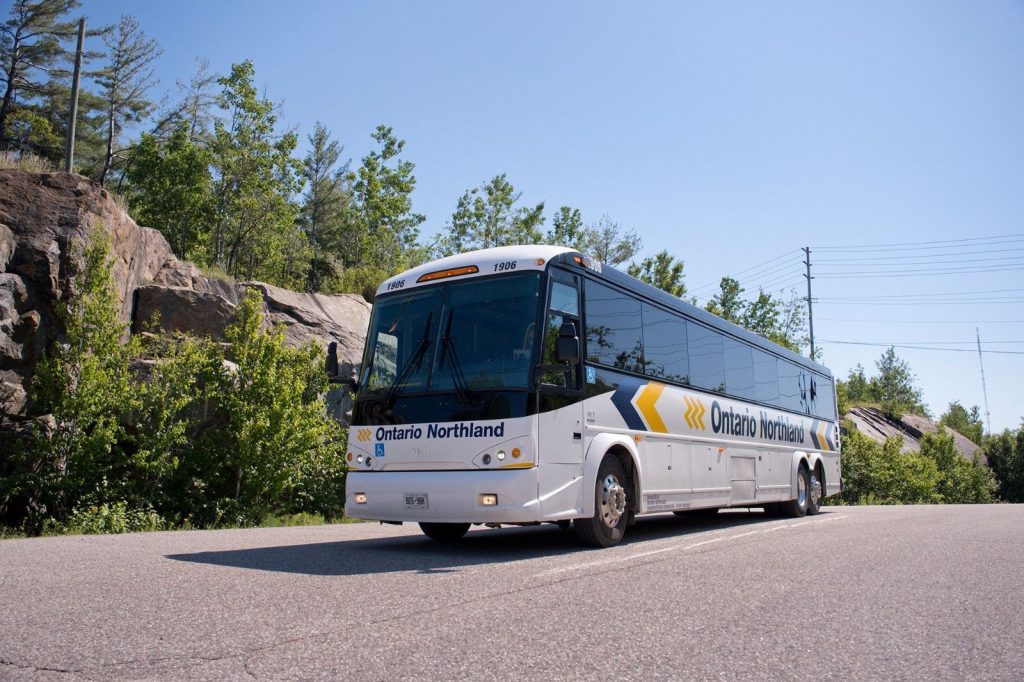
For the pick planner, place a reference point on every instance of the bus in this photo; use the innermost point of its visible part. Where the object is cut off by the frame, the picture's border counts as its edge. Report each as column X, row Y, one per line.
column 521, row 385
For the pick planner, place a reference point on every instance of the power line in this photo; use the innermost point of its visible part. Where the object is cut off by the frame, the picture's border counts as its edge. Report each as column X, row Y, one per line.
column 931, row 262
column 753, row 271
column 932, row 243
column 929, row 295
column 914, row 347
column 915, row 255
column 903, row 321
column 921, row 272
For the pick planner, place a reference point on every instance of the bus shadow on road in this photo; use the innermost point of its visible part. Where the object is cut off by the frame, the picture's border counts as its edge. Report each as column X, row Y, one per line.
column 418, row 554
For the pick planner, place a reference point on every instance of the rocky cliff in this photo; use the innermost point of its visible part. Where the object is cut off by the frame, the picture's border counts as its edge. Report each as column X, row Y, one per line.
column 44, row 220
column 873, row 423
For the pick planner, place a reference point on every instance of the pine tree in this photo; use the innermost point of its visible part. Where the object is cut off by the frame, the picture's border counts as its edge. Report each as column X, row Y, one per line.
column 383, row 227
column 123, row 86
column 31, row 50
column 324, row 215
column 894, row 386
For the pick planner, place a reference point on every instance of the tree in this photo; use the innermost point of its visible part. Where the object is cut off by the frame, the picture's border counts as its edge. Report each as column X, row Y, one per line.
column 766, row 315
column 278, row 431
column 661, row 271
column 384, row 228
column 171, row 189
column 967, row 423
column 84, row 383
column 857, row 385
column 325, row 207
column 487, row 216
column 1005, row 455
column 254, row 232
column 194, row 108
column 876, row 473
column 567, row 229
column 30, row 49
column 124, row 83
column 606, row 242
column 728, row 303
column 894, row 386
column 960, row 480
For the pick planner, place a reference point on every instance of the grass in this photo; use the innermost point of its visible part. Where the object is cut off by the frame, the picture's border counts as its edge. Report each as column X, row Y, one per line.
column 25, row 162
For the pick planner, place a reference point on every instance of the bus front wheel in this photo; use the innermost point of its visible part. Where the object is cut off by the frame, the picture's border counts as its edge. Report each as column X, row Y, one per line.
column 444, row 532
column 611, row 507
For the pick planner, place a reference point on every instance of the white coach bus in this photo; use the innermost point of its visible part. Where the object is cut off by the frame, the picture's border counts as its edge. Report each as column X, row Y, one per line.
column 529, row 384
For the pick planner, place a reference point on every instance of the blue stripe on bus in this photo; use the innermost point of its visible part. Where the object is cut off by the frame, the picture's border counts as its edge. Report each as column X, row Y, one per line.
column 622, row 399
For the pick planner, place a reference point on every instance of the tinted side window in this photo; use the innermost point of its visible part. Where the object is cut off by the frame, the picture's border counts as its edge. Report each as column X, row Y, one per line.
column 789, row 387
column 766, row 378
column 665, row 354
column 739, row 368
column 824, row 400
column 707, row 368
column 613, row 328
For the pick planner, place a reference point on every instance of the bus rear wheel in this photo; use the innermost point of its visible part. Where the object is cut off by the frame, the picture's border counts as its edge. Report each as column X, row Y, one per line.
column 611, row 507
column 815, row 491
column 798, row 507
column 444, row 532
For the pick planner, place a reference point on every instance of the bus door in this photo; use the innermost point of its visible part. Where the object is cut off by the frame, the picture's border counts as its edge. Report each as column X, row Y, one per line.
column 560, row 398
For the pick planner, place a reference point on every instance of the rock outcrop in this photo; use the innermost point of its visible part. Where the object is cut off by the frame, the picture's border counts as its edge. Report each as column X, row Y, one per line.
column 46, row 218
column 873, row 423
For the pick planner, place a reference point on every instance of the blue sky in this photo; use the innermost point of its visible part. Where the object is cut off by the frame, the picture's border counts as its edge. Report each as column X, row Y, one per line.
column 730, row 133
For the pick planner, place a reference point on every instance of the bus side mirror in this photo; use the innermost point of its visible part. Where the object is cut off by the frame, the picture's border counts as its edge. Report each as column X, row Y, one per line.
column 567, row 345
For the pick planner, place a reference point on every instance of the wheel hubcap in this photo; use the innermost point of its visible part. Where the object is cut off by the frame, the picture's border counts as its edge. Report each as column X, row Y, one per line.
column 613, row 501
column 815, row 490
column 801, row 490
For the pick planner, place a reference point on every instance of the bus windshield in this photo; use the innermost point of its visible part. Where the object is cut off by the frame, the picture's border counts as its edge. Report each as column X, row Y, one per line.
column 460, row 337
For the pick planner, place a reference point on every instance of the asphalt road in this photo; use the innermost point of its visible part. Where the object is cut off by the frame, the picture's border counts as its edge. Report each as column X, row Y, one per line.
column 863, row 593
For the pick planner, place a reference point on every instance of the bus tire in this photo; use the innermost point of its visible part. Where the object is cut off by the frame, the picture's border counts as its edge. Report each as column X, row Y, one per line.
column 815, row 491
column 444, row 532
column 611, row 507
column 798, row 507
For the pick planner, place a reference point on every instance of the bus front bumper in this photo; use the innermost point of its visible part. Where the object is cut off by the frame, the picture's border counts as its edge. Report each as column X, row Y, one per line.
column 443, row 496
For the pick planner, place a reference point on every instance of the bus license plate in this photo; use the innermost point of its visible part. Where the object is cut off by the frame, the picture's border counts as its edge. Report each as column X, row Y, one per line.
column 415, row 501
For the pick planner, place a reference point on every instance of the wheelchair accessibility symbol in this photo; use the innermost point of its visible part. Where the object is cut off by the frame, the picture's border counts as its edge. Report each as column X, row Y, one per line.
column 379, row 450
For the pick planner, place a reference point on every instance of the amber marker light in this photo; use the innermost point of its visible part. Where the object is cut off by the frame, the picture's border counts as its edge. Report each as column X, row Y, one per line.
column 516, row 452
column 452, row 272
column 359, row 498
column 540, row 261
column 350, row 456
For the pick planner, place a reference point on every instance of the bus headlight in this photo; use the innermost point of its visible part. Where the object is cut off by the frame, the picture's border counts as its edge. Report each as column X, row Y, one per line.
column 359, row 498
column 488, row 500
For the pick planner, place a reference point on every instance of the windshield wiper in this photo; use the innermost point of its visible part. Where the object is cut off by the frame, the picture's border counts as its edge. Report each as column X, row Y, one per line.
column 449, row 352
column 415, row 362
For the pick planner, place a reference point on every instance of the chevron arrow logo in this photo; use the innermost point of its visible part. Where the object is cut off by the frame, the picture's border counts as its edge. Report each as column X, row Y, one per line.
column 363, row 435
column 645, row 405
column 694, row 414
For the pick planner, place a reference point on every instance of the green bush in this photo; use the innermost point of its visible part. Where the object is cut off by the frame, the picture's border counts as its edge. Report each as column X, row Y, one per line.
column 198, row 435
column 876, row 473
column 107, row 518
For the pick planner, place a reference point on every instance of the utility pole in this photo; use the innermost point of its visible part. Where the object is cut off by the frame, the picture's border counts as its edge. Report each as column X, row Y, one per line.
column 984, row 391
column 69, row 143
column 810, row 308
